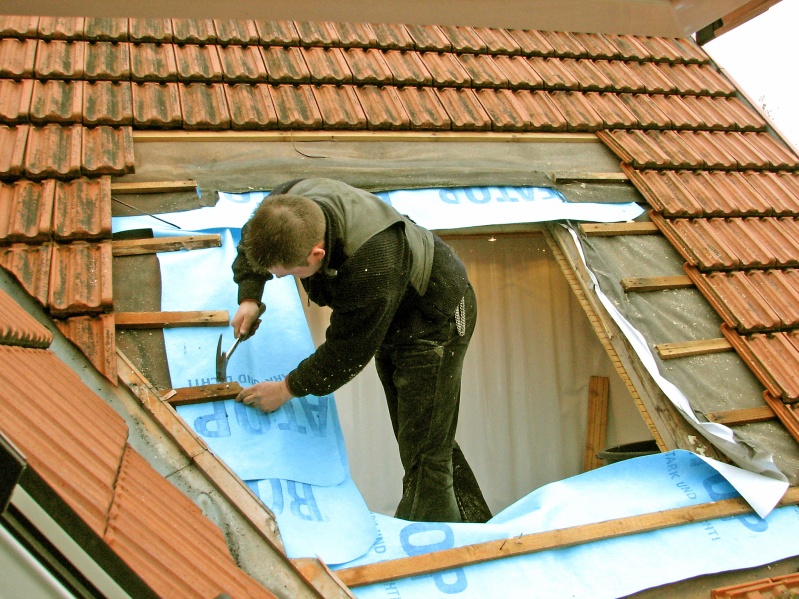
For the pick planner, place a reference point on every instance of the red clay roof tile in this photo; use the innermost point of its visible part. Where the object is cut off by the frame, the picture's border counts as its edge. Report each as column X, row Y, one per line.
column 532, row 43
column 699, row 244
column 658, row 49
column 285, row 65
column 15, row 100
column 54, row 151
column 621, row 76
column 367, row 66
column 80, row 279
column 30, row 264
column 503, row 109
column 577, row 109
column 445, row 69
column 354, row 35
column 771, row 588
column 153, row 30
column 713, row 155
column 739, row 304
column 108, row 60
column 646, row 110
column 776, row 356
column 153, row 62
column 107, row 151
column 327, row 65
column 613, row 112
column 463, row 38
column 464, row 110
column 597, row 46
column 204, row 106
column 589, row 76
column 339, row 107
column 193, row 31
column 778, row 191
column 688, row 49
column 680, row 114
column 79, row 452
column 553, row 73
column 250, row 106
column 61, row 28
column 26, row 211
column 315, row 33
column 59, row 59
column 82, row 209
column 107, row 103
column 13, row 140
column 382, row 107
column 565, row 44
column 18, row 328
column 18, row 26
column 156, row 105
column 540, row 111
column 17, row 57
column 95, row 336
column 629, row 47
column 392, row 36
column 518, row 72
column 652, row 77
column 57, row 101
column 198, row 63
column 407, row 68
column 296, row 107
column 242, row 63
column 424, row 108
column 483, row 70
column 780, row 292
column 498, row 41
column 242, row 32
column 106, row 29
column 277, row 33
column 429, row 38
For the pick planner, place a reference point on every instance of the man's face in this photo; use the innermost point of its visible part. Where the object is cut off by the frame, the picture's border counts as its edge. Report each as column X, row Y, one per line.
column 314, row 263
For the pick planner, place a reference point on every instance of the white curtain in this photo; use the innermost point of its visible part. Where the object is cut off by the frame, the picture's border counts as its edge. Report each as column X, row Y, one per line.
column 525, row 383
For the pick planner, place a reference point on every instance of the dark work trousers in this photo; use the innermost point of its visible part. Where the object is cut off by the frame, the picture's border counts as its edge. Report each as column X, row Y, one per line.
column 422, row 380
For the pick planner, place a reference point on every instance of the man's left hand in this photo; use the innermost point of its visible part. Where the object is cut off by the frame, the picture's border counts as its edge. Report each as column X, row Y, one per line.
column 267, row 396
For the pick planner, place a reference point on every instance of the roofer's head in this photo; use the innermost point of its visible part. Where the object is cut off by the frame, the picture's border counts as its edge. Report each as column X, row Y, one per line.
column 285, row 235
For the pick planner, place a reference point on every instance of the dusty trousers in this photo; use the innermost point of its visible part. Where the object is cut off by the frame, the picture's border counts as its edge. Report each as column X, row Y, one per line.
column 421, row 376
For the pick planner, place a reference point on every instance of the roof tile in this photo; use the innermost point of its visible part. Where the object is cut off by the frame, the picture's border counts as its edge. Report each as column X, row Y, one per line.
column 621, row 76
column 725, row 193
column 296, row 107
column 709, row 113
column 339, row 107
column 392, row 36
column 15, row 100
column 76, row 455
column 518, row 72
column 739, row 303
column 367, row 66
column 57, row 101
column 407, row 68
column 742, row 115
column 61, row 28
column 483, row 70
column 17, row 57
column 82, row 209
column 19, row 328
column 646, row 111
column 503, row 109
column 153, row 62
column 285, row 65
column 680, row 114
column 327, row 65
column 13, row 140
column 779, row 191
column 577, row 109
column 156, row 105
column 565, row 44
column 250, row 106
column 589, row 76
column 629, row 46
column 597, row 46
column 688, row 49
column 59, row 59
column 198, row 63
column 277, row 33
column 532, row 43
column 242, row 63
column 354, row 35
column 107, row 151
column 204, row 106
column 445, row 69
column 316, row 33
column 242, row 32
column 54, row 151
column 26, row 211
column 464, row 110
column 553, row 72
column 659, row 50
column 106, row 29
column 463, row 38
column 95, row 336
column 193, row 31
column 776, row 355
column 108, row 60
column 652, row 77
column 613, row 112
column 539, row 109
column 424, row 108
column 30, row 264
column 698, row 243
column 498, row 41
column 80, row 279
column 780, row 291
column 429, row 38
column 382, row 107
column 19, row 26
column 774, row 154
column 107, row 103
column 150, row 30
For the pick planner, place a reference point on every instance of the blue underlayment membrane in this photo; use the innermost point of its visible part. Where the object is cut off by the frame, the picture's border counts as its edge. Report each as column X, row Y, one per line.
column 295, row 459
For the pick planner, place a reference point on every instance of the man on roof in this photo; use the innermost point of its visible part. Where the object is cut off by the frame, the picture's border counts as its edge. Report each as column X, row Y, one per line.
column 398, row 294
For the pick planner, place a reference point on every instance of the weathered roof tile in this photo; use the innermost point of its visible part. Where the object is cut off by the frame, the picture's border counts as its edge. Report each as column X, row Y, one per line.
column 153, row 30
column 646, row 111
column 622, row 78
column 106, row 29
column 539, row 109
column 250, row 106
column 382, row 107
column 193, row 31
column 26, row 211
column 107, row 103
column 277, row 33
column 483, row 70
column 503, row 109
column 17, row 57
column 30, row 264
column 565, row 44
column 392, row 36
column 57, row 101
column 589, row 77
column 463, row 38
column 629, row 46
column 498, row 41
column 553, row 72
column 429, row 38
column 54, row 151
column 577, row 109
column 316, row 33
column 61, row 28
column 327, row 65
column 95, row 336
column 15, row 100
column 242, row 63
column 156, row 105
column 108, row 60
column 367, row 66
column 19, row 26
column 518, row 72
column 354, row 35
column 532, row 43
column 296, row 107
column 198, row 63
column 407, row 68
column 107, row 151
column 285, row 65
column 18, row 328
column 82, row 209
column 613, row 112
column 597, row 46
column 80, row 278
column 242, row 32
column 653, row 78
column 13, row 140
column 424, row 108
column 464, row 110
column 339, row 107
column 153, row 62
column 59, row 59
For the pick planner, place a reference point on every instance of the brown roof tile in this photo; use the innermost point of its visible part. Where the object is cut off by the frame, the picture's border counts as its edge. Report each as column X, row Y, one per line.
column 80, row 279
column 78, row 456
column 354, row 35
column 503, row 109
column 652, row 77
column 740, row 305
column 589, row 76
column 61, row 28
column 565, row 44
column 59, row 59
column 554, row 73
column 613, row 112
column 316, row 33
column 242, row 32
column 621, row 76
column 107, row 103
column 775, row 155
column 483, row 70
column 597, row 46
column 339, row 107
column 697, row 242
column 539, row 110
column 19, row 328
column 82, row 209
column 445, row 69
column 108, row 60
column 424, row 108
column 629, row 46
column 54, row 151
column 198, row 63
column 779, row 191
column 775, row 359
column 26, row 211
column 429, row 38
column 204, row 106
column 153, row 62
column 106, row 29
column 518, row 72
column 392, row 36
column 242, row 63
column 779, row 289
column 367, row 66
column 150, row 30
column 659, row 50
column 464, row 110
column 285, row 65
column 382, row 107
column 30, row 264
column 277, row 33
column 577, row 109
column 13, row 140
column 193, row 31
column 407, row 68
column 688, row 49
column 17, row 57
column 680, row 114
column 498, row 41
column 646, row 110
column 18, row 26
column 250, row 106
column 156, row 105
column 327, row 65
column 95, row 336
column 532, row 43
column 107, row 151
column 743, row 116
column 57, row 101
column 296, row 107
column 15, row 100
column 463, row 38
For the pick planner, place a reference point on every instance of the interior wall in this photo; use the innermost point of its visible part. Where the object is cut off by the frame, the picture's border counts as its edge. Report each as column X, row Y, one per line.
column 525, row 385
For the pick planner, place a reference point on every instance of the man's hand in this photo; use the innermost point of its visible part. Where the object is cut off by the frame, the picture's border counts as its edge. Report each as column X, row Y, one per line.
column 245, row 320
column 267, row 396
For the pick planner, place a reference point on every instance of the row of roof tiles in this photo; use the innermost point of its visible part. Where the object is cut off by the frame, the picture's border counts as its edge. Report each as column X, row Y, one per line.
column 460, row 39
column 58, row 59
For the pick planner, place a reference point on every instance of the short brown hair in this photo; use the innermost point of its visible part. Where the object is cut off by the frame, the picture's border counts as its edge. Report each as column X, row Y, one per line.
column 282, row 231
